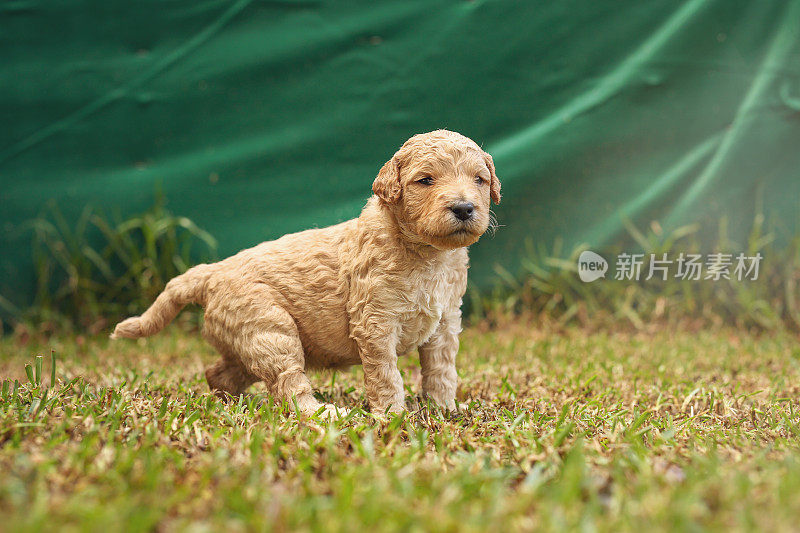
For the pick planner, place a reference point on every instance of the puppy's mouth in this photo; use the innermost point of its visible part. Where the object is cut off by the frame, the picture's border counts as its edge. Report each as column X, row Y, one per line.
column 466, row 228
column 463, row 231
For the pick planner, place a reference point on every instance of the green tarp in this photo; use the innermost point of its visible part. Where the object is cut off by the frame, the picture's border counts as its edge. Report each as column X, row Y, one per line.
column 264, row 117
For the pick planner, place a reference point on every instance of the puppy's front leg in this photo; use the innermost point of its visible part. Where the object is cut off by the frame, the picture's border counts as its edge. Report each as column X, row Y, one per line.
column 438, row 360
column 383, row 381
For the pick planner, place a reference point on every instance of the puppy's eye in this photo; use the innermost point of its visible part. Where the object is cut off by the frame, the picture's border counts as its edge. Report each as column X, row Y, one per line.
column 479, row 180
column 427, row 180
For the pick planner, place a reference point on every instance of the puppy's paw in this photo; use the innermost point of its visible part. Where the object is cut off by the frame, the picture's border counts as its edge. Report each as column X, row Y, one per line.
column 449, row 405
column 384, row 414
column 327, row 411
column 445, row 404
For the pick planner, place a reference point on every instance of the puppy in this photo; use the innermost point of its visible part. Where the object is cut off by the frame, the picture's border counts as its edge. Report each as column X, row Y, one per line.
column 361, row 292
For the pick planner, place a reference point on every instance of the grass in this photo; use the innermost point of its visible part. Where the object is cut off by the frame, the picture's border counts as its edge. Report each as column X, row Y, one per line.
column 557, row 430
column 101, row 267
column 547, row 282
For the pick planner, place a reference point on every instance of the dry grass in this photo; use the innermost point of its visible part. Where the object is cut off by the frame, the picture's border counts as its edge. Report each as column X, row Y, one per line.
column 559, row 430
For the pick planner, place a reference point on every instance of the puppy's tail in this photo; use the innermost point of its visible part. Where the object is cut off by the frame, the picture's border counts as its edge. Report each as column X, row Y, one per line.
column 189, row 287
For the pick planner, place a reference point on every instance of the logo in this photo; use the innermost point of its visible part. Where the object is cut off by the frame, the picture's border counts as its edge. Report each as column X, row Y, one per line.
column 591, row 266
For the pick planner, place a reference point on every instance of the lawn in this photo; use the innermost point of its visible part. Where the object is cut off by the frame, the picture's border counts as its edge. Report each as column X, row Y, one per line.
column 557, row 430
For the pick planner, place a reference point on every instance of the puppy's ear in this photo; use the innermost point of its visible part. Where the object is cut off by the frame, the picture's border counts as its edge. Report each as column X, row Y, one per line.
column 494, row 186
column 387, row 185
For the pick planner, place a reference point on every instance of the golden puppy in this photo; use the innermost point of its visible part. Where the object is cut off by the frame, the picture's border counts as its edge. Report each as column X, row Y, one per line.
column 360, row 292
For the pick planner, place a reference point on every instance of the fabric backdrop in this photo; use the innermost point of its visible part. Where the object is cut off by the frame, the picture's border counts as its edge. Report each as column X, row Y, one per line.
column 258, row 118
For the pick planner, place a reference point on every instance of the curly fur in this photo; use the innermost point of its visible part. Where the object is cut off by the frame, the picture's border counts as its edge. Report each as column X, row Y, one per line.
column 361, row 292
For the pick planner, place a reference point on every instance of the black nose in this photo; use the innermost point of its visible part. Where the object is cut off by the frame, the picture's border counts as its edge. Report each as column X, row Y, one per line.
column 463, row 210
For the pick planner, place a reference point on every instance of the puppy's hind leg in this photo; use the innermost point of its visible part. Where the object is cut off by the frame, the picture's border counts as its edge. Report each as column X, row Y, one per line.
column 275, row 355
column 228, row 378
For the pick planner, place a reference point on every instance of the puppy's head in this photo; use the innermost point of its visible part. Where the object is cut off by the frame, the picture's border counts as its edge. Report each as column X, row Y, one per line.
column 440, row 186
